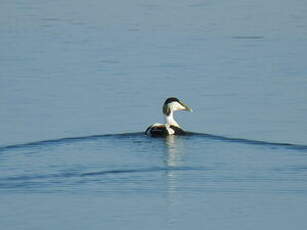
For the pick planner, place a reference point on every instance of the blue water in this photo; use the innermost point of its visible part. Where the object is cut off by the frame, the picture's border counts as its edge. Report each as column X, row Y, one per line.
column 110, row 181
column 81, row 80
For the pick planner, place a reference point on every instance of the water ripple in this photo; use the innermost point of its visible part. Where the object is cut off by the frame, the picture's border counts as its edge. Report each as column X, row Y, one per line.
column 99, row 173
column 75, row 178
column 129, row 135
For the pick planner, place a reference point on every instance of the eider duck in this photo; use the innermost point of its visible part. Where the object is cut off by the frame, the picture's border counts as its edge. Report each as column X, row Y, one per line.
column 171, row 127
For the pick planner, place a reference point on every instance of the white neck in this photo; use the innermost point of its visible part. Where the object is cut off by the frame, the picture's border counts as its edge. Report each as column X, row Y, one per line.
column 170, row 120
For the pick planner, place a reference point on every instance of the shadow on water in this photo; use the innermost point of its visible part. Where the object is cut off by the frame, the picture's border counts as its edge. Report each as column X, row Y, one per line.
column 67, row 140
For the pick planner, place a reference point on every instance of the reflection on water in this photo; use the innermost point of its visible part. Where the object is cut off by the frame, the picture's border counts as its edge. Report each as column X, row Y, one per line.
column 174, row 158
column 175, row 150
column 174, row 155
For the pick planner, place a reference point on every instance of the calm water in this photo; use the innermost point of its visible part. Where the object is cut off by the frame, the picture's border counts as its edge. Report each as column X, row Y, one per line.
column 81, row 80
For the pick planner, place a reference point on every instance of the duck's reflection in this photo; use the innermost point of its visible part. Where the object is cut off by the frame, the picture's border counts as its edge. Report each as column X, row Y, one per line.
column 174, row 162
column 174, row 150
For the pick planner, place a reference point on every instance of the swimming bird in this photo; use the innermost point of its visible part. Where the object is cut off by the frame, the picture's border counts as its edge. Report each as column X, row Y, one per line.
column 171, row 127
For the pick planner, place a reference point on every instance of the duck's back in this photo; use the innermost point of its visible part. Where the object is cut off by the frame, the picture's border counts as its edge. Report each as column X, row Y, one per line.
column 159, row 130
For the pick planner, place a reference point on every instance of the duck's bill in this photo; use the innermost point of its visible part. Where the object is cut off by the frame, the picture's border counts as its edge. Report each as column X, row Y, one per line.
column 186, row 107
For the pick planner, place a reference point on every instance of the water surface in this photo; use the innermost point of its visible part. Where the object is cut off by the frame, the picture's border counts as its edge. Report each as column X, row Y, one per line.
column 81, row 80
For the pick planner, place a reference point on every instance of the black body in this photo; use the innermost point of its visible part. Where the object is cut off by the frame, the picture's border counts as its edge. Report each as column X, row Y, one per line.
column 161, row 131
